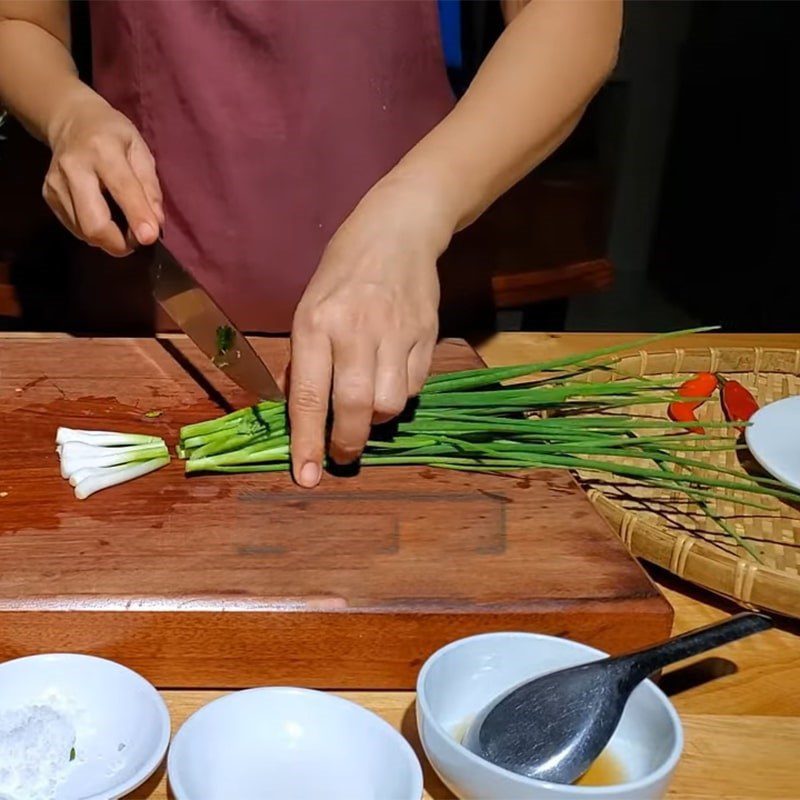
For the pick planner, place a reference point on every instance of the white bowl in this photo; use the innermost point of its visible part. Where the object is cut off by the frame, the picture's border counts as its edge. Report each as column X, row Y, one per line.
column 462, row 678
column 773, row 438
column 283, row 743
column 122, row 724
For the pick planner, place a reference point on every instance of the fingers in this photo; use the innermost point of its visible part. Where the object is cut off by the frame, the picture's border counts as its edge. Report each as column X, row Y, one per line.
column 56, row 194
column 353, row 396
column 78, row 203
column 93, row 215
column 419, row 365
column 116, row 174
column 284, row 377
column 119, row 164
column 309, row 389
column 369, row 386
column 144, row 168
column 361, row 346
column 391, row 382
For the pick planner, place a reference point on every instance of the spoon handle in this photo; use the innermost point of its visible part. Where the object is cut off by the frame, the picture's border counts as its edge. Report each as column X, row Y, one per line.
column 646, row 662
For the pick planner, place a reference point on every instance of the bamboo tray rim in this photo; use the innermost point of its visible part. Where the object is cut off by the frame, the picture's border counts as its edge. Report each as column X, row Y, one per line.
column 685, row 554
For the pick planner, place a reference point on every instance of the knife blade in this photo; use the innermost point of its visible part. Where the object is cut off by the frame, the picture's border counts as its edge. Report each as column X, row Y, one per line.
column 204, row 322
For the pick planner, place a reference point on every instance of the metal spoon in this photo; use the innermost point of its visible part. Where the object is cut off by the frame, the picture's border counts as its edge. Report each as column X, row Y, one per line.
column 553, row 727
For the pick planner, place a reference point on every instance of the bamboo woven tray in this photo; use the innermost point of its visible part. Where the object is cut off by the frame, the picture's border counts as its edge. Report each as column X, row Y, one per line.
column 662, row 527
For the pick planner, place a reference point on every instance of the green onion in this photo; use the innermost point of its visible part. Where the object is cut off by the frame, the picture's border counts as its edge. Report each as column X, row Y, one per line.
column 95, row 460
column 559, row 419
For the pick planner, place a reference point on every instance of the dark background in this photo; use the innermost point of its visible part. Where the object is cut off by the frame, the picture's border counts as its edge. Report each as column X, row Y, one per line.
column 682, row 176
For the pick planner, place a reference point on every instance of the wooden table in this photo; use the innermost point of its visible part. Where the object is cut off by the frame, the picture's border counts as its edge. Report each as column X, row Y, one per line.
column 740, row 707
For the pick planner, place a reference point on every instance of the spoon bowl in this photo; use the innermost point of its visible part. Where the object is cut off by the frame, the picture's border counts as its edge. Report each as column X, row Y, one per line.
column 563, row 716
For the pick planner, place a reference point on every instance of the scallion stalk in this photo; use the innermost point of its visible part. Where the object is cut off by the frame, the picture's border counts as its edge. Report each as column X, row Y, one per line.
column 559, row 419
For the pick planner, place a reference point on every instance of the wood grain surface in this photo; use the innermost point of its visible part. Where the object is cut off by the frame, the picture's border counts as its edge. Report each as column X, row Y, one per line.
column 227, row 581
column 725, row 756
column 740, row 706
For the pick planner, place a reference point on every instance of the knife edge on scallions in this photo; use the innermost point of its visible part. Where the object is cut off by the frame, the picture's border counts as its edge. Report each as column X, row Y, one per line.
column 95, row 460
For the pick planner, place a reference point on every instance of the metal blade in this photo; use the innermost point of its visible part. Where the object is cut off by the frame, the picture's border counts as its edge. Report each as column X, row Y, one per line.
column 204, row 322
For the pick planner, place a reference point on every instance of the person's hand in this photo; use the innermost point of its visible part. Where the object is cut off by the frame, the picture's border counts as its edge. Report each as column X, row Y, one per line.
column 364, row 331
column 95, row 150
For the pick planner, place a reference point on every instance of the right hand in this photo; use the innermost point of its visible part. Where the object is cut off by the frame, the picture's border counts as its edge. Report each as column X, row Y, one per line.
column 97, row 149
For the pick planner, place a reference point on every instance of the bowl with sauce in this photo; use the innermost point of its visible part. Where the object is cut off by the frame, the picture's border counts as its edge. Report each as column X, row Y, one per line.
column 459, row 680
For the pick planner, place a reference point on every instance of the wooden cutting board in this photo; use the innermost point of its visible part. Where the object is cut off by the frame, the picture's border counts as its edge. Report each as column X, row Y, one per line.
column 231, row 581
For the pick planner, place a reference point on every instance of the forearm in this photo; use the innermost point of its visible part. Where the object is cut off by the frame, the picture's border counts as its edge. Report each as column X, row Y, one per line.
column 38, row 78
column 525, row 100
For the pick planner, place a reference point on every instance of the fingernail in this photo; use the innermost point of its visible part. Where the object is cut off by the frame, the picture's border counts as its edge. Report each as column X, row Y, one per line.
column 144, row 232
column 310, row 475
column 159, row 209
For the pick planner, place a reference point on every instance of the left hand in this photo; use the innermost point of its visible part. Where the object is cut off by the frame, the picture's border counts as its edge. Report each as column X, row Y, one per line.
column 364, row 331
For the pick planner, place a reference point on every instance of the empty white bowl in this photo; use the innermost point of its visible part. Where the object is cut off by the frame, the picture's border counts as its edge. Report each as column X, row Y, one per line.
column 462, row 678
column 122, row 724
column 773, row 438
column 283, row 743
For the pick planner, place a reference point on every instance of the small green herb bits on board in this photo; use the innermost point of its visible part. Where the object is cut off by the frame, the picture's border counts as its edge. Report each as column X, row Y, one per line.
column 225, row 340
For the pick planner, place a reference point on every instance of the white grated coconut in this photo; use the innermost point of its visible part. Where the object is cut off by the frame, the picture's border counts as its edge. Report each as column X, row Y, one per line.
column 36, row 744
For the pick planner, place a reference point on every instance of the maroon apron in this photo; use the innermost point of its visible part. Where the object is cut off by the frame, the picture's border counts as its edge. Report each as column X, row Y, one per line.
column 268, row 121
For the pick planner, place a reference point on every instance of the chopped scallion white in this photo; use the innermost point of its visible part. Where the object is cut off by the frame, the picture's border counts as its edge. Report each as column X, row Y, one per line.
column 101, row 478
column 95, row 460
column 103, row 438
column 108, row 457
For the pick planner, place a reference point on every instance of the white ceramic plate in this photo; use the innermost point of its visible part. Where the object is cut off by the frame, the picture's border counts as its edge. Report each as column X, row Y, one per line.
column 774, row 439
column 122, row 724
column 282, row 743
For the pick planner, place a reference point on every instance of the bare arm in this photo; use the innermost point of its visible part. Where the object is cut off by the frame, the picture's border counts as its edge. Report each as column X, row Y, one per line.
column 365, row 329
column 511, row 8
column 95, row 148
column 37, row 73
column 527, row 97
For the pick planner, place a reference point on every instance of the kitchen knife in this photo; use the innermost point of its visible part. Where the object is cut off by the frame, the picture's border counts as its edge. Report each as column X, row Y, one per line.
column 204, row 322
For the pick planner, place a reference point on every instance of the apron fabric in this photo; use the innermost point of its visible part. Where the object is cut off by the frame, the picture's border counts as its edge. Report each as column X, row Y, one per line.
column 269, row 121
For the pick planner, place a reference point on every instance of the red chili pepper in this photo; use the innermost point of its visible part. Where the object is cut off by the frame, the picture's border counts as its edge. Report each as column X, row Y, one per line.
column 699, row 387
column 737, row 402
column 702, row 385
column 684, row 412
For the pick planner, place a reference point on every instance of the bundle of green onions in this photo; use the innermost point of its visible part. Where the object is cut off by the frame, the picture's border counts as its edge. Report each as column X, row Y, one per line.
column 474, row 421
column 95, row 460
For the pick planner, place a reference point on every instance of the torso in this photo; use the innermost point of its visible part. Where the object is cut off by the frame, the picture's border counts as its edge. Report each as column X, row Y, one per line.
column 268, row 120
